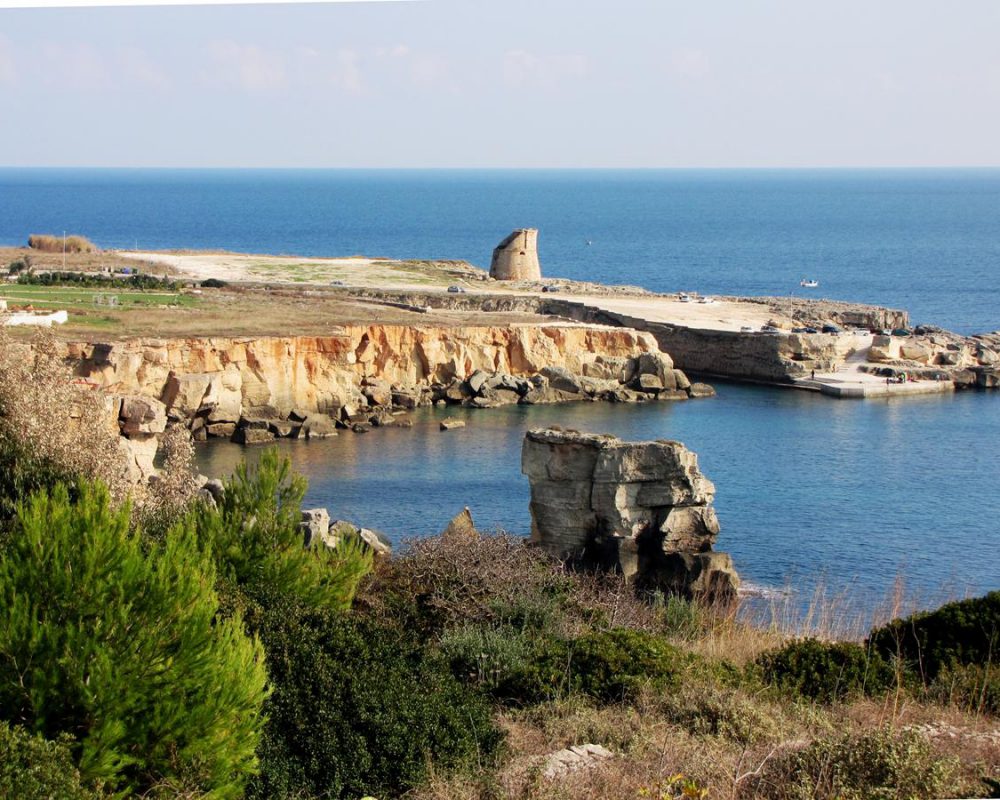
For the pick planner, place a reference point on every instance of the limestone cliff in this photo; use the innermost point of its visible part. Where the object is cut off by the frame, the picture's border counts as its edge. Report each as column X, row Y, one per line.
column 641, row 508
column 271, row 377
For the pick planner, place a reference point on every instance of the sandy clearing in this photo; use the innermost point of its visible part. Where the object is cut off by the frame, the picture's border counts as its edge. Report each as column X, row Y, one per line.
column 363, row 272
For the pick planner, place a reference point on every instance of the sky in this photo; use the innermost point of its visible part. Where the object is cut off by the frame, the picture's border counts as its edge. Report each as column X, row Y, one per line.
column 504, row 83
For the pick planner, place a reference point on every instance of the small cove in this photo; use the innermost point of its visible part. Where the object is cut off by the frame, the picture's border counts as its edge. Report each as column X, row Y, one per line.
column 851, row 496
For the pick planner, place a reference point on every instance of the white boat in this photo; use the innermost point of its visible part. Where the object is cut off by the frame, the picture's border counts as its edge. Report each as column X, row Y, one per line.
column 805, row 283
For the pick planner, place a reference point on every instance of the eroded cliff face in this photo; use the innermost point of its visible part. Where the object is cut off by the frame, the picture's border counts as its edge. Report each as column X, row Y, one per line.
column 643, row 509
column 271, row 377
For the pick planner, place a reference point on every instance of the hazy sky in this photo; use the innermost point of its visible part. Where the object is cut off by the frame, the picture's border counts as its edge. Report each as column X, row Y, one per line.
column 539, row 83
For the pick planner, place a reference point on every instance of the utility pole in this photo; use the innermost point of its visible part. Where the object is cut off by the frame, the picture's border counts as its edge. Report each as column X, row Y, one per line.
column 64, row 251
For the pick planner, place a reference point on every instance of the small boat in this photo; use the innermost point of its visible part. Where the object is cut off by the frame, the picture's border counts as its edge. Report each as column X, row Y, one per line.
column 805, row 283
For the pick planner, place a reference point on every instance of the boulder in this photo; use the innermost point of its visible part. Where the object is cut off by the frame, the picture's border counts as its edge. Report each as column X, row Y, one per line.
column 377, row 542
column 315, row 527
column 408, row 399
column 640, row 508
column 318, row 426
column 561, row 379
column 461, row 525
column 252, row 436
column 451, row 424
column 378, row 392
column 141, row 415
column 221, row 430
column 648, row 383
column 700, row 390
column 573, row 759
column 477, row 380
column 681, row 380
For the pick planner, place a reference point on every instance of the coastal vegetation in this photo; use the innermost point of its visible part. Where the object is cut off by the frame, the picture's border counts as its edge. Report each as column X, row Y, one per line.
column 48, row 243
column 161, row 641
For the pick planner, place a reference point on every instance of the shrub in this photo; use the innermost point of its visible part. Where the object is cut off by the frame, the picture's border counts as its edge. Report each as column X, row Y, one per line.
column 452, row 581
column 608, row 666
column 22, row 264
column 255, row 539
column 870, row 766
column 48, row 243
column 826, row 671
column 360, row 709
column 214, row 283
column 706, row 709
column 51, row 430
column 971, row 687
column 964, row 632
column 33, row 768
column 120, row 646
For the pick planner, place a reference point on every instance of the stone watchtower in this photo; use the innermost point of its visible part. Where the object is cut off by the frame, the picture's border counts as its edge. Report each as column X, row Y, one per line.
column 516, row 257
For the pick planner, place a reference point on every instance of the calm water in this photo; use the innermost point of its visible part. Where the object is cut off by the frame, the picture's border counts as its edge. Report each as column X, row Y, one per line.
column 925, row 240
column 853, row 494
column 809, row 490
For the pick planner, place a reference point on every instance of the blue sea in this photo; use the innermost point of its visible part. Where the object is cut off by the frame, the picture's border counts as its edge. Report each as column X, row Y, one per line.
column 859, row 497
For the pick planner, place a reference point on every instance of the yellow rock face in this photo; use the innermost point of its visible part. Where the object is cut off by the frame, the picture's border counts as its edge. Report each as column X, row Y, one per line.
column 320, row 372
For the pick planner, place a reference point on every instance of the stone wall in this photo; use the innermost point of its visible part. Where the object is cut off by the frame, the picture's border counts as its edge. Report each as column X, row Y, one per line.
column 516, row 257
column 641, row 508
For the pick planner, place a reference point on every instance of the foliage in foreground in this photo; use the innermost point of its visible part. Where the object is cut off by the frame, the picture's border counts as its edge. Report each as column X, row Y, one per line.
column 117, row 644
column 826, row 671
column 956, row 634
column 359, row 708
column 255, row 539
column 33, row 768
column 871, row 766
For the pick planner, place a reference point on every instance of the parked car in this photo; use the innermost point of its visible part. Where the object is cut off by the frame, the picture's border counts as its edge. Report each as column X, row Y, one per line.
column 550, row 288
column 901, row 332
column 769, row 329
column 456, row 289
column 832, row 329
column 684, row 298
column 746, row 329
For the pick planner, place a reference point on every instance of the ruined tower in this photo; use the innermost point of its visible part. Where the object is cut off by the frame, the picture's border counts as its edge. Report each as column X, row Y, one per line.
column 516, row 257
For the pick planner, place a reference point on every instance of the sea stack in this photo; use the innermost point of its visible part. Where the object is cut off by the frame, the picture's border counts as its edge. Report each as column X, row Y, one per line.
column 642, row 509
column 516, row 257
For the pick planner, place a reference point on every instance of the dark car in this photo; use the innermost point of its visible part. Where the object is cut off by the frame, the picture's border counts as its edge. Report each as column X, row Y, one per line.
column 832, row 329
column 901, row 332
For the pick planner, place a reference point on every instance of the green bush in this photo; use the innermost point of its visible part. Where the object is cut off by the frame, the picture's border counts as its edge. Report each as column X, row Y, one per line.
column 705, row 709
column 826, row 671
column 214, row 283
column 360, row 709
column 254, row 536
column 873, row 766
column 964, row 632
column 33, row 768
column 119, row 644
column 971, row 687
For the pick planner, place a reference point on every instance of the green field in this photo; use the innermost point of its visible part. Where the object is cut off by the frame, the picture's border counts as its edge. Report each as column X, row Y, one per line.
column 62, row 296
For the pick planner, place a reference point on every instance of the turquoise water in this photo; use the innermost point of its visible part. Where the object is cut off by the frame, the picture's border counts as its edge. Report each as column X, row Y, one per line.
column 854, row 496
column 851, row 494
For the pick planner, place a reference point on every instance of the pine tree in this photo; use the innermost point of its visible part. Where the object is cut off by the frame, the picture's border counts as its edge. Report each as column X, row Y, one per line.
column 119, row 644
column 255, row 538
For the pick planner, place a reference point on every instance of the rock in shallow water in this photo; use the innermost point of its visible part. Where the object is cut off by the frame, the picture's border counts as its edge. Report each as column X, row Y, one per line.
column 640, row 508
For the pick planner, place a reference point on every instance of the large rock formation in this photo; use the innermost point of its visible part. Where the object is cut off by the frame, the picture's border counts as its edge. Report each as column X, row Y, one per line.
column 257, row 389
column 641, row 508
column 516, row 257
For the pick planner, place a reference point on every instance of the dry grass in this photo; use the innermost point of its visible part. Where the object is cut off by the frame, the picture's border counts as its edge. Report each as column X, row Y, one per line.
column 47, row 243
column 53, row 421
